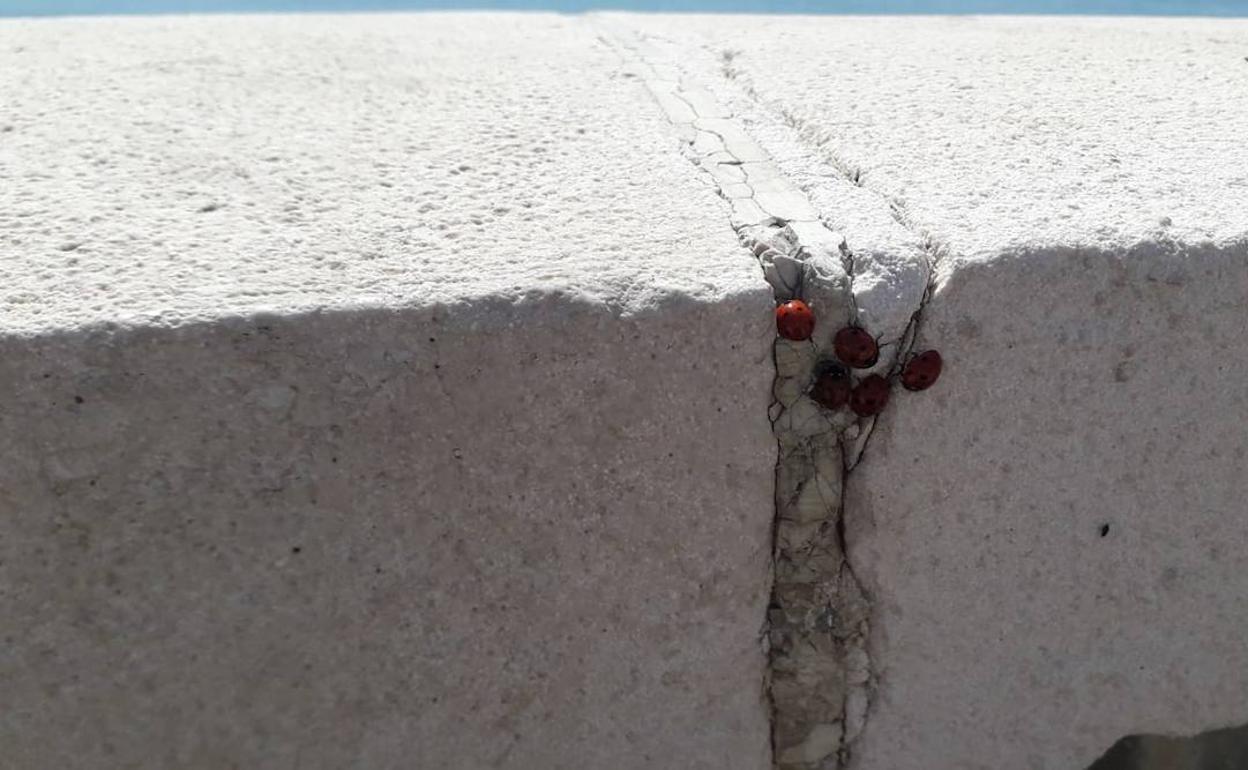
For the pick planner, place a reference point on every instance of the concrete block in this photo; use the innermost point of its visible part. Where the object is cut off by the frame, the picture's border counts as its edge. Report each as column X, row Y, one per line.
column 1050, row 540
column 402, row 390
column 1052, row 535
column 372, row 394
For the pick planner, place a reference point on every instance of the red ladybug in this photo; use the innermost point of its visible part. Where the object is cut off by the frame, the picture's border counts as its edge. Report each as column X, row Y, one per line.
column 832, row 388
column 870, row 397
column 794, row 320
column 922, row 371
column 856, row 348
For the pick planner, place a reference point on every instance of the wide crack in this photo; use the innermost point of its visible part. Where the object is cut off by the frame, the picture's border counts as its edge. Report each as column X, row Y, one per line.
column 818, row 619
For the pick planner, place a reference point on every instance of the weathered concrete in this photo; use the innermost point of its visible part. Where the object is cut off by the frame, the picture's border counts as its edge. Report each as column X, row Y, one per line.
column 452, row 447
column 817, row 677
column 374, row 392
column 1051, row 538
column 1054, row 536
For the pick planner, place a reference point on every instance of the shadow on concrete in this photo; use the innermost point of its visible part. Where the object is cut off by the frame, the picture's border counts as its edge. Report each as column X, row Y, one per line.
column 1225, row 749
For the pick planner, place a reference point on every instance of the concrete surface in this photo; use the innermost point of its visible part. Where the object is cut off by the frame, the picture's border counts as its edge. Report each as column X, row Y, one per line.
column 395, row 388
column 374, row 394
column 997, row 136
column 1051, row 538
column 175, row 169
column 1054, row 537
column 814, row 664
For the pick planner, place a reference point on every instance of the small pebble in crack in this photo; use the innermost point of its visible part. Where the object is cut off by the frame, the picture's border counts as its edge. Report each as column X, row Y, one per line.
column 795, row 320
column 856, row 348
column 922, row 371
column 870, row 397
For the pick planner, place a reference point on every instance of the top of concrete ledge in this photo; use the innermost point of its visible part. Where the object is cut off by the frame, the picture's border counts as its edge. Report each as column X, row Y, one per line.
column 1000, row 135
column 175, row 169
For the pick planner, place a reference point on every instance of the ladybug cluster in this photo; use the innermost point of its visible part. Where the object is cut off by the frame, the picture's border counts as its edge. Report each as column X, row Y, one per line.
column 855, row 349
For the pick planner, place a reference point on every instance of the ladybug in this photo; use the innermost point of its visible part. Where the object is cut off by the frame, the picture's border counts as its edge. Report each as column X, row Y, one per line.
column 832, row 388
column 922, row 371
column 856, row 348
column 795, row 320
column 870, row 397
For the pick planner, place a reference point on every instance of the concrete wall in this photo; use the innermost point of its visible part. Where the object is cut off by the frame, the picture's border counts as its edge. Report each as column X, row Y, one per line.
column 1054, row 538
column 400, row 391
column 388, row 539
column 1050, row 539
column 376, row 392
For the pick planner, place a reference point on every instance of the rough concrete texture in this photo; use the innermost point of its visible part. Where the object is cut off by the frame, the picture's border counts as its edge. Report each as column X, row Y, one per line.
column 174, row 169
column 1054, row 538
column 374, row 392
column 993, row 136
column 453, row 444
column 816, row 619
column 1051, row 538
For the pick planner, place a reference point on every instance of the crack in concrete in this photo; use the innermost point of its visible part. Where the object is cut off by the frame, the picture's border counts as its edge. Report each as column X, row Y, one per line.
column 820, row 679
column 821, row 141
column 853, row 446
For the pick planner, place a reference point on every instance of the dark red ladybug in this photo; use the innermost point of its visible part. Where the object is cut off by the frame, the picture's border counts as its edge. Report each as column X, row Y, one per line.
column 922, row 371
column 832, row 388
column 856, row 348
column 870, row 397
column 795, row 320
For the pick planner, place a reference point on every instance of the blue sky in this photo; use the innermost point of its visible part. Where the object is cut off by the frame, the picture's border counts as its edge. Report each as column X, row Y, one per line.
column 1136, row 7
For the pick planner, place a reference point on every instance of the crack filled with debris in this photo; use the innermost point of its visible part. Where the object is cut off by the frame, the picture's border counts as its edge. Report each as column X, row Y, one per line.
column 820, row 678
column 822, row 142
column 819, row 615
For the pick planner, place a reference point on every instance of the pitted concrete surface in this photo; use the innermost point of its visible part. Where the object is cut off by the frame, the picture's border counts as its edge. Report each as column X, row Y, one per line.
column 1054, row 538
column 819, row 678
column 395, row 388
column 316, row 541
column 1051, row 537
column 996, row 136
column 376, row 392
column 168, row 170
